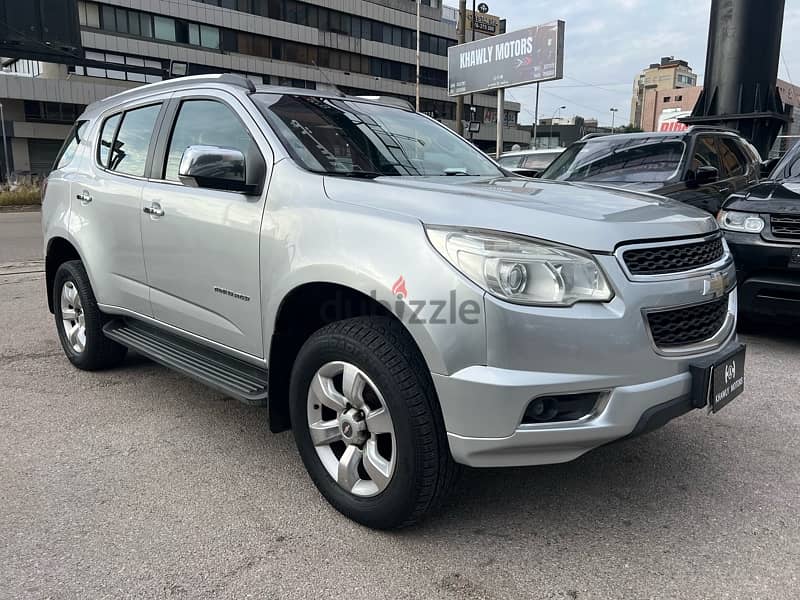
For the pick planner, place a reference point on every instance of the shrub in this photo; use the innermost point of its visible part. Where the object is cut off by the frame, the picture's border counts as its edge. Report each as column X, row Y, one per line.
column 23, row 195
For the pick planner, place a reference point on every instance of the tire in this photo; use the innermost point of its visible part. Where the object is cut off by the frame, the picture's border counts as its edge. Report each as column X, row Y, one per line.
column 395, row 377
column 91, row 351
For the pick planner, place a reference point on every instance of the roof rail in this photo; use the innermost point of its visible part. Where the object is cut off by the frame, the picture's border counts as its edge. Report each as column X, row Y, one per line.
column 389, row 101
column 591, row 136
column 712, row 128
column 222, row 78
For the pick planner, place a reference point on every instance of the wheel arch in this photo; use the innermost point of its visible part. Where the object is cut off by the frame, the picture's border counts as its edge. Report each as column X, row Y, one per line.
column 59, row 251
column 303, row 311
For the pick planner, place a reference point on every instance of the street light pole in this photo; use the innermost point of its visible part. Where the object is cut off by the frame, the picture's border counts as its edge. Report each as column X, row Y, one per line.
column 536, row 120
column 614, row 112
column 550, row 139
column 5, row 146
column 419, row 2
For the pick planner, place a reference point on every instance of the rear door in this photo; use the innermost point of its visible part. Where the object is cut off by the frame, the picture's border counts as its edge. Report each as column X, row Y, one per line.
column 106, row 204
column 202, row 246
column 735, row 165
column 709, row 196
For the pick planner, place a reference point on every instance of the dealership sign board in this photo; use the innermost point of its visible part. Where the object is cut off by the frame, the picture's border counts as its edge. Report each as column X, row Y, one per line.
column 517, row 58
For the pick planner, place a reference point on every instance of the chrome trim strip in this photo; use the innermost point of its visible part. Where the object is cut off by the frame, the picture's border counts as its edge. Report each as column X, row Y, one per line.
column 713, row 343
column 124, row 312
column 720, row 265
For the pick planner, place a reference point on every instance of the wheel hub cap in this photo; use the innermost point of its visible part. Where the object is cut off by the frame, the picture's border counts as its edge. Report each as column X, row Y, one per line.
column 73, row 319
column 351, row 428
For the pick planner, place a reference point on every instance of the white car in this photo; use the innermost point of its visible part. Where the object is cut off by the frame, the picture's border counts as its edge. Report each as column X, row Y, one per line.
column 529, row 163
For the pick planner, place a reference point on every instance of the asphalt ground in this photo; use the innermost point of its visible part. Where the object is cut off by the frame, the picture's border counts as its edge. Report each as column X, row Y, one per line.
column 140, row 483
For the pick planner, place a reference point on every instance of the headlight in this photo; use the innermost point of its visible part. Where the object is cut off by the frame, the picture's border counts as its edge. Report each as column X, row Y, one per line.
column 740, row 221
column 524, row 271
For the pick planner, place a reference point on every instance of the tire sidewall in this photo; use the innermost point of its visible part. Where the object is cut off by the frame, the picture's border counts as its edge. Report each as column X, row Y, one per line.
column 64, row 275
column 392, row 505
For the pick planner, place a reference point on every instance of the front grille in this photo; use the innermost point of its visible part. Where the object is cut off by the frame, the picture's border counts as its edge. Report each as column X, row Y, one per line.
column 663, row 260
column 785, row 226
column 688, row 325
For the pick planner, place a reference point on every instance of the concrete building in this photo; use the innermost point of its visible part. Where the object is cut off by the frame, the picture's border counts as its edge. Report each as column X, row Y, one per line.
column 669, row 74
column 360, row 46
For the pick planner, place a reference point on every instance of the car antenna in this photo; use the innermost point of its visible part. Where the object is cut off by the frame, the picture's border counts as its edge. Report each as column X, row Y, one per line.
column 339, row 92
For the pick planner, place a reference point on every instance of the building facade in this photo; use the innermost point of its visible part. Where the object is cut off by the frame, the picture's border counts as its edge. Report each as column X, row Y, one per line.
column 669, row 74
column 362, row 47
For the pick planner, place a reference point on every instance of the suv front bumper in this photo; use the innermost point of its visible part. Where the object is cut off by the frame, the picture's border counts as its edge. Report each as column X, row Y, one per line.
column 489, row 399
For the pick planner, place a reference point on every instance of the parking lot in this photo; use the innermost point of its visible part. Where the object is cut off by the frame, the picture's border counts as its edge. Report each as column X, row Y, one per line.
column 141, row 483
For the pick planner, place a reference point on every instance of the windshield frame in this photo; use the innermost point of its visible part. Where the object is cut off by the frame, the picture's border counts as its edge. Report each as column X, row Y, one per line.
column 782, row 171
column 579, row 145
column 278, row 127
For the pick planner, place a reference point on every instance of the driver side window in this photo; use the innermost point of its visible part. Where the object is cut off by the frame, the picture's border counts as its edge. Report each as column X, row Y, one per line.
column 205, row 123
column 706, row 154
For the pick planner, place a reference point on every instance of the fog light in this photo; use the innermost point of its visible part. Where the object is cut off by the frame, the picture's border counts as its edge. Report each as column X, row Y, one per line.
column 541, row 410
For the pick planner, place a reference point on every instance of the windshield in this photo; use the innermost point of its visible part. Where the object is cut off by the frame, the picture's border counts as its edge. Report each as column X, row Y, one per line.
column 621, row 160
column 351, row 138
column 789, row 166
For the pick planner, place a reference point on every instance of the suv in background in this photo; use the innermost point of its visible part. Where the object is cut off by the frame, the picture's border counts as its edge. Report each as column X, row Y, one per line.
column 529, row 163
column 389, row 293
column 762, row 226
column 701, row 166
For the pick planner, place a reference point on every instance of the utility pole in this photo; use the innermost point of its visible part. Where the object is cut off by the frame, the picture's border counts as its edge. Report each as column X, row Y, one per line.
column 418, row 44
column 614, row 112
column 536, row 119
column 5, row 146
column 462, row 37
column 472, row 96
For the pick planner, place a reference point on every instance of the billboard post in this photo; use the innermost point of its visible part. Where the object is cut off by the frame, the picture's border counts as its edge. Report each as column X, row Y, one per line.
column 530, row 55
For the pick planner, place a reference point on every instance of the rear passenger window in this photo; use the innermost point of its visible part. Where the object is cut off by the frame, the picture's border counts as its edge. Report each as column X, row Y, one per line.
column 207, row 123
column 129, row 151
column 733, row 161
column 106, row 137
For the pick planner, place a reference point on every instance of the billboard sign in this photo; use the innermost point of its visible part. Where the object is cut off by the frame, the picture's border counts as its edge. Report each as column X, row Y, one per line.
column 670, row 120
column 517, row 58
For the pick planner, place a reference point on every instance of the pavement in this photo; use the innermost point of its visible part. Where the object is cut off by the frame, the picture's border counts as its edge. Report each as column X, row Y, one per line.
column 140, row 483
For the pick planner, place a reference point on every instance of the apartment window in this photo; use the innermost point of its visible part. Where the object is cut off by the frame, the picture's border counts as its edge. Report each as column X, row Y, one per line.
column 667, row 99
column 122, row 20
column 89, row 14
column 678, row 98
column 209, row 37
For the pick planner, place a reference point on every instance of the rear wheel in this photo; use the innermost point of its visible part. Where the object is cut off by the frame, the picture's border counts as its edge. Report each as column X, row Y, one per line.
column 80, row 322
column 367, row 423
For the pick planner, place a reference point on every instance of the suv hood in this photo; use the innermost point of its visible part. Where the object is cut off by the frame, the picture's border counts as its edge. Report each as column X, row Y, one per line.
column 768, row 197
column 577, row 215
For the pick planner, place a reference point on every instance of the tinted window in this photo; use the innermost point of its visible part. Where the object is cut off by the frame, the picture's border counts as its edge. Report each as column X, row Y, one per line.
column 706, row 154
column 129, row 153
column 510, row 162
column 539, row 161
column 621, row 160
column 733, row 160
column 337, row 136
column 106, row 137
column 70, row 146
column 207, row 123
column 794, row 169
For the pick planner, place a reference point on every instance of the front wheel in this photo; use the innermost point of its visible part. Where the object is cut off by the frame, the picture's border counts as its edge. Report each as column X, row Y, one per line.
column 367, row 423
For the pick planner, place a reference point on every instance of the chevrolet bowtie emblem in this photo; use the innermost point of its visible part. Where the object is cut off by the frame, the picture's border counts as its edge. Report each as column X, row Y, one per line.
column 714, row 286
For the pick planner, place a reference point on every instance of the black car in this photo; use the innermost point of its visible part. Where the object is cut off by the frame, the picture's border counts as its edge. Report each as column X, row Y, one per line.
column 762, row 226
column 701, row 166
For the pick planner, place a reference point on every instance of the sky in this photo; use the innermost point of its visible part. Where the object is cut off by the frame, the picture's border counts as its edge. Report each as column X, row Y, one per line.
column 609, row 41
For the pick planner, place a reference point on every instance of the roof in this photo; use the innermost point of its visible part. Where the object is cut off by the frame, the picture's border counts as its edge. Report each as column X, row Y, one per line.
column 227, row 80
column 661, row 134
column 533, row 152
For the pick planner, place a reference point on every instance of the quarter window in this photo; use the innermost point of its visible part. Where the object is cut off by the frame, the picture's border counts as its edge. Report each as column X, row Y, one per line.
column 106, row 139
column 71, row 145
column 207, row 123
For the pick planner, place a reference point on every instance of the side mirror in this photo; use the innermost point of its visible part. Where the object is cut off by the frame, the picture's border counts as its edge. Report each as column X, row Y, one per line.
column 768, row 166
column 703, row 176
column 218, row 168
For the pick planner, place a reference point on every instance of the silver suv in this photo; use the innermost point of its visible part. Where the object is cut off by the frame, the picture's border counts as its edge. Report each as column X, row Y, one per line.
column 403, row 303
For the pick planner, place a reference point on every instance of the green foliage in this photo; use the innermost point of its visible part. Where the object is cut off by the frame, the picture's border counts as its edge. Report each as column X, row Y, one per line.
column 22, row 195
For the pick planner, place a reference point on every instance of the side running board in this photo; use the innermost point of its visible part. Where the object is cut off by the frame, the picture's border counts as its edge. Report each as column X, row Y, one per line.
column 234, row 377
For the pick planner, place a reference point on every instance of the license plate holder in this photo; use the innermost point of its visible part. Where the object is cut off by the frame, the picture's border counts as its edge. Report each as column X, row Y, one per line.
column 717, row 383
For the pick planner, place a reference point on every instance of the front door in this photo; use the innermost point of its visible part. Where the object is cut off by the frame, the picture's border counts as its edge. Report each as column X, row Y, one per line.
column 201, row 246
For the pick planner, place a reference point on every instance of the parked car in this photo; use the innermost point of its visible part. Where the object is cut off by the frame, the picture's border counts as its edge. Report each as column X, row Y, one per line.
column 529, row 163
column 701, row 166
column 381, row 285
column 762, row 227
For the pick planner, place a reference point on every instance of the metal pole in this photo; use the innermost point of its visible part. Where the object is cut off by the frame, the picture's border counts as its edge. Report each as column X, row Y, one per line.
column 5, row 146
column 472, row 96
column 536, row 119
column 501, row 105
column 462, row 26
column 613, row 120
column 418, row 44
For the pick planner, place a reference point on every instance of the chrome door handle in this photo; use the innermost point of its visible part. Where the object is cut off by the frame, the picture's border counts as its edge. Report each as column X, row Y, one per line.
column 84, row 197
column 155, row 210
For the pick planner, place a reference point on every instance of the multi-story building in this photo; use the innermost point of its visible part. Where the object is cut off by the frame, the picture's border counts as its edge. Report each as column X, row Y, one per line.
column 669, row 74
column 363, row 47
